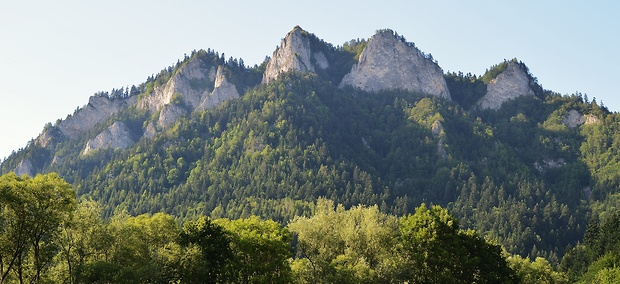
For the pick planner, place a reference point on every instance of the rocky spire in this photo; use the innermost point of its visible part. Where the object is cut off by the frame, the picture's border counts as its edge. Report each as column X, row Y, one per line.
column 294, row 54
column 511, row 83
column 388, row 62
column 223, row 90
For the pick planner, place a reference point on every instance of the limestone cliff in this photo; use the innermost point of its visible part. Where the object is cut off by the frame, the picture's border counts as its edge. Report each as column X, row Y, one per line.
column 511, row 83
column 25, row 167
column 97, row 110
column 223, row 90
column 117, row 136
column 388, row 62
column 50, row 136
column 294, row 54
column 169, row 114
column 573, row 119
column 191, row 82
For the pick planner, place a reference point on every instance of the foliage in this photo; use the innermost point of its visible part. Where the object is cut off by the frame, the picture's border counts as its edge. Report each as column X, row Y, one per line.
column 435, row 250
column 32, row 211
column 537, row 271
column 344, row 246
column 521, row 175
column 261, row 251
column 363, row 245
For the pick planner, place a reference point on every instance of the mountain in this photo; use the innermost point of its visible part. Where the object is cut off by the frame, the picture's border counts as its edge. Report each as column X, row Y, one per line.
column 389, row 62
column 374, row 121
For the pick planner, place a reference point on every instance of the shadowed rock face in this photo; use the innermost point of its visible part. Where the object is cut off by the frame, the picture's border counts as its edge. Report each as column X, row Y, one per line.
column 117, row 136
column 573, row 119
column 512, row 83
column 25, row 167
column 294, row 54
column 390, row 63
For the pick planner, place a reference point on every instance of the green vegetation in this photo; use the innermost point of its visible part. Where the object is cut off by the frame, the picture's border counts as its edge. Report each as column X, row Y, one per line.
column 59, row 241
column 521, row 176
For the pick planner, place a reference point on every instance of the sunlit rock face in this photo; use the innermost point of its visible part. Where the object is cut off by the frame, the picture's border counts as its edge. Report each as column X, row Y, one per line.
column 117, row 136
column 388, row 62
column 190, row 84
column 294, row 54
column 97, row 110
column 512, row 83
column 223, row 90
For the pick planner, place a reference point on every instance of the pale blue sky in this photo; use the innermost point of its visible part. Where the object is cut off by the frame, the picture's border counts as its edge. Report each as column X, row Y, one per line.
column 55, row 54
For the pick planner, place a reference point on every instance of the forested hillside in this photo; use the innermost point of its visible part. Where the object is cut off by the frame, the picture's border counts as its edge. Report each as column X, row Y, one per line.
column 530, row 175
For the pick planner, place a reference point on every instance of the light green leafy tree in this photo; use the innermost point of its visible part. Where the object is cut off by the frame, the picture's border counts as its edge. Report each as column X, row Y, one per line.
column 538, row 271
column 261, row 250
column 435, row 250
column 206, row 252
column 33, row 210
column 344, row 246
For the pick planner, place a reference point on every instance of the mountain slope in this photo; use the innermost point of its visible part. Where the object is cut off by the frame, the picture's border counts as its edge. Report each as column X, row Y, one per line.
column 212, row 136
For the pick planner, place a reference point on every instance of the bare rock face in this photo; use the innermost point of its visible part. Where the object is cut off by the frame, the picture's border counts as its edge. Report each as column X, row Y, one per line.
column 97, row 110
column 438, row 131
column 546, row 164
column 294, row 54
column 117, row 136
column 150, row 130
column 25, row 167
column 388, row 62
column 512, row 83
column 169, row 114
column 573, row 119
column 191, row 82
column 49, row 137
column 223, row 90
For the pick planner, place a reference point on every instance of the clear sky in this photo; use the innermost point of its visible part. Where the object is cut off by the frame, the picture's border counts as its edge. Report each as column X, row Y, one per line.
column 55, row 54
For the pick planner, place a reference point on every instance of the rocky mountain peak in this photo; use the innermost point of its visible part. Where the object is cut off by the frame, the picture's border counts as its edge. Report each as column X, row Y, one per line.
column 509, row 84
column 294, row 54
column 389, row 62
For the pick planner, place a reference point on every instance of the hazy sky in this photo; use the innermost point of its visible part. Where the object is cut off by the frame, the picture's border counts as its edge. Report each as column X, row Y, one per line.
column 55, row 54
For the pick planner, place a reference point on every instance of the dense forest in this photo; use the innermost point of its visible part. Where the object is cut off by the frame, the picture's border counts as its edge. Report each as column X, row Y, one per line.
column 299, row 152
column 47, row 236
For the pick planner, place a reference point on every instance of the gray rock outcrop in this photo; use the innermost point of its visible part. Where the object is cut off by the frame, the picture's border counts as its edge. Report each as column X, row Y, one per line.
column 117, row 136
column 294, row 54
column 388, row 62
column 573, row 119
column 169, row 114
column 191, row 82
column 438, row 131
column 510, row 84
column 223, row 90
column 97, row 110
column 25, row 167
column 150, row 130
column 50, row 136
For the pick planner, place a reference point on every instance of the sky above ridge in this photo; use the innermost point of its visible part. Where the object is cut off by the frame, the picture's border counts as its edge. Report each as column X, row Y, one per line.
column 55, row 54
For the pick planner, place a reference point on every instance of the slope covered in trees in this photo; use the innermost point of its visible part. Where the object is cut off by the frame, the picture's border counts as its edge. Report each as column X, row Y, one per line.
column 531, row 175
column 334, row 245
